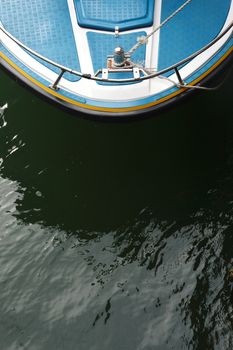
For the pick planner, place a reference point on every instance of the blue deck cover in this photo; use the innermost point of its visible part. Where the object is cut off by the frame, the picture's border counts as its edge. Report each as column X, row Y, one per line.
column 45, row 27
column 194, row 27
column 106, row 14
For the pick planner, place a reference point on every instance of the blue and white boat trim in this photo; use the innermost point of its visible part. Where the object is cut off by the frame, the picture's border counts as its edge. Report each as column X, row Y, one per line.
column 62, row 49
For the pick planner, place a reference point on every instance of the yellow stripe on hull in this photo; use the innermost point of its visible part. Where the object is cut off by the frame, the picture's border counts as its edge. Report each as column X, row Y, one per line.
column 113, row 110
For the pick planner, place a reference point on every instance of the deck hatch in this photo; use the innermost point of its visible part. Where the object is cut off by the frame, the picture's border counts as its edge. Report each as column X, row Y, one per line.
column 106, row 15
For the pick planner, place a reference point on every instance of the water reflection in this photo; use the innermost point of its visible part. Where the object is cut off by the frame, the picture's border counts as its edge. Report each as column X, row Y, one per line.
column 98, row 177
column 116, row 236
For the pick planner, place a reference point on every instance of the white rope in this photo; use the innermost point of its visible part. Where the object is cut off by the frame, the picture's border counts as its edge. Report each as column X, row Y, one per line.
column 186, row 86
column 143, row 40
column 198, row 87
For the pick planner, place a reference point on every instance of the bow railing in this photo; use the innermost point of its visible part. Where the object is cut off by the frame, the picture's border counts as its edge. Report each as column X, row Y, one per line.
column 146, row 74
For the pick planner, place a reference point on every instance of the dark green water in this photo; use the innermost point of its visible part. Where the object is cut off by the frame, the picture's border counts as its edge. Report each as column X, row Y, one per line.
column 116, row 236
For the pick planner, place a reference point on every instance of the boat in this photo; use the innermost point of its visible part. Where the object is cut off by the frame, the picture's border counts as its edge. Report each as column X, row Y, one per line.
column 118, row 58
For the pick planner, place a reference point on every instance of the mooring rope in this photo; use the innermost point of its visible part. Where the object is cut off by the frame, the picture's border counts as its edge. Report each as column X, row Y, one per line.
column 143, row 40
column 198, row 87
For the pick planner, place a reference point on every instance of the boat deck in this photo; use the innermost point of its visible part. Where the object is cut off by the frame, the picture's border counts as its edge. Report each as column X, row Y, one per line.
column 44, row 26
column 79, row 34
column 193, row 28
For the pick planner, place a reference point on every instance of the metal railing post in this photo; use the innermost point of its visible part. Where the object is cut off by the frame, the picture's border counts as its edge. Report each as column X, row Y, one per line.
column 54, row 86
column 181, row 81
